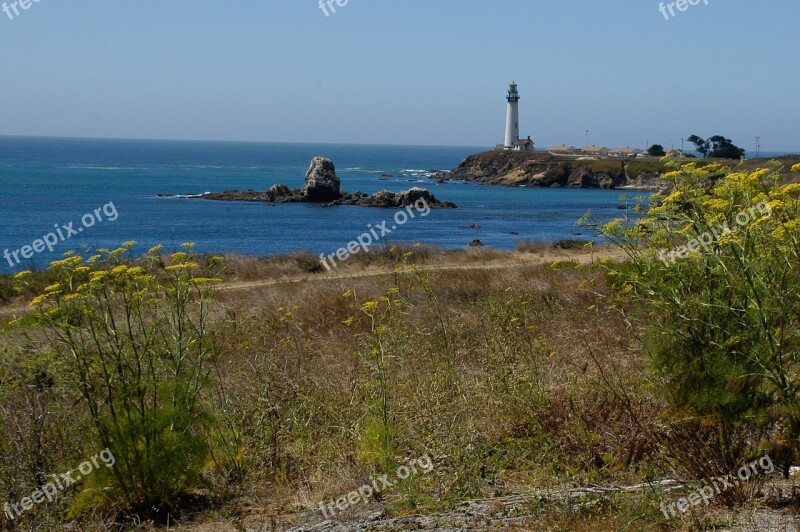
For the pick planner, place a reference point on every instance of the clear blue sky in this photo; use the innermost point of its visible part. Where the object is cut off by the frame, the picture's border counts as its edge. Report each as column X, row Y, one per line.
column 403, row 71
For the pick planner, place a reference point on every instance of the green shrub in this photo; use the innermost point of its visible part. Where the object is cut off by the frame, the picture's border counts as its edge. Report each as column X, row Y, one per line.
column 715, row 266
column 134, row 342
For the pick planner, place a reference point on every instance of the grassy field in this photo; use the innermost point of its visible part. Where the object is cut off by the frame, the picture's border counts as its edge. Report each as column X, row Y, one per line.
column 508, row 370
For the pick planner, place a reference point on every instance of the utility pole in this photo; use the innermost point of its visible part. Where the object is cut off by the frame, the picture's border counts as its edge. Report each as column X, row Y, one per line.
column 587, row 138
column 758, row 146
column 682, row 149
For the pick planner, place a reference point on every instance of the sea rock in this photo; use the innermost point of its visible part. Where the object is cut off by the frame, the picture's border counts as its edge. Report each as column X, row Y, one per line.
column 384, row 198
column 322, row 184
column 279, row 190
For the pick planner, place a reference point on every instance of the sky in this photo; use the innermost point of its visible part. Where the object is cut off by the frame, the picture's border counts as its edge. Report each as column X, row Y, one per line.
column 414, row 72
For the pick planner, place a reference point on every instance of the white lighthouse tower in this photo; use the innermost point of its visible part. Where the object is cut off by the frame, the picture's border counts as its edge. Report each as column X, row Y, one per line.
column 512, row 118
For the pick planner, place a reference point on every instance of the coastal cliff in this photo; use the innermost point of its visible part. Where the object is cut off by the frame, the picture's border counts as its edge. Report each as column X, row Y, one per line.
column 515, row 169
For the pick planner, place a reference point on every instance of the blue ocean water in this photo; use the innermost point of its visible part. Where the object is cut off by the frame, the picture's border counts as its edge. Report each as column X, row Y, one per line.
column 46, row 183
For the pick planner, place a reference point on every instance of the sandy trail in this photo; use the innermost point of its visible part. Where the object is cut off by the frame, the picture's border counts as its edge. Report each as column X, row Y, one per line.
column 512, row 261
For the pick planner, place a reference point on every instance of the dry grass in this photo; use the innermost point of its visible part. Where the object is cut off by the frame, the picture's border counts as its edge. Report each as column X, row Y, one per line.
column 515, row 399
column 493, row 366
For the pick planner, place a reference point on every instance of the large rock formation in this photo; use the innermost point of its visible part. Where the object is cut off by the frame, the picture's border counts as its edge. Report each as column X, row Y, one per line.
column 323, row 186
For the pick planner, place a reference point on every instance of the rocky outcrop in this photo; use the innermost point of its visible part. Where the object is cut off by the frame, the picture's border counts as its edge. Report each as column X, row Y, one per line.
column 384, row 198
column 515, row 169
column 323, row 186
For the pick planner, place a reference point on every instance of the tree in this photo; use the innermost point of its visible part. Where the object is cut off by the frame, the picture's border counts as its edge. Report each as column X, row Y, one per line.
column 701, row 145
column 723, row 148
column 717, row 146
column 656, row 150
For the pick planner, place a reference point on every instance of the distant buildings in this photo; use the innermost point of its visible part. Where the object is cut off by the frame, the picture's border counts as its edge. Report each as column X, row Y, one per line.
column 592, row 151
column 597, row 151
column 563, row 150
column 624, row 152
column 602, row 151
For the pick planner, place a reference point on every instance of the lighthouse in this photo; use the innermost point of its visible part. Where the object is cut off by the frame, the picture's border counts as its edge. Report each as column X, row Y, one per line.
column 512, row 118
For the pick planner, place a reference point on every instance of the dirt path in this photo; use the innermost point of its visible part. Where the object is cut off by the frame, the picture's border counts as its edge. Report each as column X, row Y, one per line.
column 512, row 261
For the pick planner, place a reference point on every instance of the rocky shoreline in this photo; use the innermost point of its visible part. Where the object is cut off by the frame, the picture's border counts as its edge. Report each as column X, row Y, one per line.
column 322, row 186
column 539, row 169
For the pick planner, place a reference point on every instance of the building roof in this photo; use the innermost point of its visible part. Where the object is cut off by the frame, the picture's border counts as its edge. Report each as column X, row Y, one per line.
column 562, row 148
column 626, row 150
column 593, row 149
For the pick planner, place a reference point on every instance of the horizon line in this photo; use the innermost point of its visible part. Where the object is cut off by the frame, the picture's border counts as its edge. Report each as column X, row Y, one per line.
column 239, row 141
column 488, row 147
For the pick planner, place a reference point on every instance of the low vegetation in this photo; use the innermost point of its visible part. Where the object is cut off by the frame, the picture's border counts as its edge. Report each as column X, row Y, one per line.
column 236, row 389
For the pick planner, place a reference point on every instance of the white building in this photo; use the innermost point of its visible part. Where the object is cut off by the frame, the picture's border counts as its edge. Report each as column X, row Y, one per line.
column 624, row 152
column 596, row 151
column 512, row 141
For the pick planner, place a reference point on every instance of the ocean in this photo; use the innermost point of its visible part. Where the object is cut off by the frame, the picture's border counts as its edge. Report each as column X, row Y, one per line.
column 108, row 190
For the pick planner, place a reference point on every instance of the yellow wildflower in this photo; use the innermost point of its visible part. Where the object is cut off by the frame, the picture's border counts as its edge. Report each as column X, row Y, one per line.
column 775, row 205
column 717, row 204
column 758, row 174
column 69, row 261
column 369, row 307
column 39, row 300
column 791, row 189
column 205, row 280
